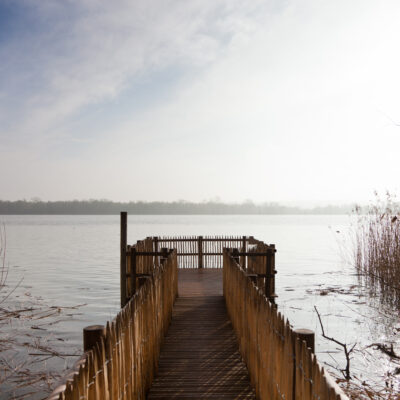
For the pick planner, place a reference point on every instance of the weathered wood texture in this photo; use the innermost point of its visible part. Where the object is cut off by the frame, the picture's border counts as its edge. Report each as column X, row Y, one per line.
column 200, row 358
column 123, row 363
column 279, row 364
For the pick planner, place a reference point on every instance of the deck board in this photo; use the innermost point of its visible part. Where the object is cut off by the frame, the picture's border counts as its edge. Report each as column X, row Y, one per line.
column 200, row 358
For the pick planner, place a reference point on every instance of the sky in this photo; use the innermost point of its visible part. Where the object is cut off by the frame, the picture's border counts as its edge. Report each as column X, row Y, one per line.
column 281, row 100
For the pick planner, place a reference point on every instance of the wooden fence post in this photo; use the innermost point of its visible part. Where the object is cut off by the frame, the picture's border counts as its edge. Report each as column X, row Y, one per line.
column 155, row 241
column 164, row 254
column 133, row 270
column 308, row 336
column 243, row 260
column 270, row 275
column 92, row 335
column 142, row 280
column 273, row 271
column 124, row 238
column 200, row 246
column 235, row 255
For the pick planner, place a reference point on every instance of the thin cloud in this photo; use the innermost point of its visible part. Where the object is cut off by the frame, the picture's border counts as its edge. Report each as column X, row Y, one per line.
column 88, row 52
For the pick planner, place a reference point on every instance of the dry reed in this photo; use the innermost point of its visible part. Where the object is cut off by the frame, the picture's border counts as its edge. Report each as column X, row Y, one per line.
column 377, row 248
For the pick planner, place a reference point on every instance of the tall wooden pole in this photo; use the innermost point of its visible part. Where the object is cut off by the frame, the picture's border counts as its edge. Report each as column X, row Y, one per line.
column 124, row 239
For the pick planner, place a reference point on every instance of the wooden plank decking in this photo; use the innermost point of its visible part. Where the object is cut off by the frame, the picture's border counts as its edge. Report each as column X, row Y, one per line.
column 200, row 357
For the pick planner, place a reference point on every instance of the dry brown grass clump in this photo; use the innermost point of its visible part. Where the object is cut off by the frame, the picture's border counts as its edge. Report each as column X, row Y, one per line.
column 377, row 248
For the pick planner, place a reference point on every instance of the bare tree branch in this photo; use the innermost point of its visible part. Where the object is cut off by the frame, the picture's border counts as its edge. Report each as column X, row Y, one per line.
column 347, row 352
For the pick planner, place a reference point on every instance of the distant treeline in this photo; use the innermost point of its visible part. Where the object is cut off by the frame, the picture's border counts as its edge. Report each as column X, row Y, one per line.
column 106, row 207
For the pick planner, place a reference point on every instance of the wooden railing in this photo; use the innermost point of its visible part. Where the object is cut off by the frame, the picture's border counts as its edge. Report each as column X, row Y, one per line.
column 192, row 252
column 279, row 364
column 259, row 263
column 137, row 261
column 201, row 251
column 124, row 360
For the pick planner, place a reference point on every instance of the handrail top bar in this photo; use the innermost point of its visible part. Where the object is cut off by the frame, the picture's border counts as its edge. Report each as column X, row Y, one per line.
column 262, row 275
column 267, row 253
column 169, row 239
column 204, row 239
column 251, row 254
column 151, row 253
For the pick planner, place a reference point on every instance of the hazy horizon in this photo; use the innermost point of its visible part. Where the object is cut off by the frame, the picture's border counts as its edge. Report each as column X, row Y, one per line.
column 288, row 102
column 181, row 207
column 299, row 204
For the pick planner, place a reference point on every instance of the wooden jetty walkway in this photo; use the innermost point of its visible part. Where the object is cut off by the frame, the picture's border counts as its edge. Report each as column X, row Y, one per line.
column 200, row 356
column 198, row 320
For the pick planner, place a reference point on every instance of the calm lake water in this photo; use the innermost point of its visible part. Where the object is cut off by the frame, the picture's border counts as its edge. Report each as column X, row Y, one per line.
column 66, row 261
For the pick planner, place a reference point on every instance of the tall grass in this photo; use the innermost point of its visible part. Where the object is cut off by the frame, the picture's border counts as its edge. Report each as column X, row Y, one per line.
column 377, row 247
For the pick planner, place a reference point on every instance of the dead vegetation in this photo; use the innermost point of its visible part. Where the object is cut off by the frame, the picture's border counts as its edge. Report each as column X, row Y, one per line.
column 384, row 386
column 26, row 342
column 347, row 350
column 357, row 389
column 377, row 248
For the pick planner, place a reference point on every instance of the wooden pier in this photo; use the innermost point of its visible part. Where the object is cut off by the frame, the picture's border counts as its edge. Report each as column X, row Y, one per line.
column 200, row 356
column 187, row 330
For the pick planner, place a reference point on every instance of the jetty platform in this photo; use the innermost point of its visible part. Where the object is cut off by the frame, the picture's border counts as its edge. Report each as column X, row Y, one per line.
column 199, row 319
